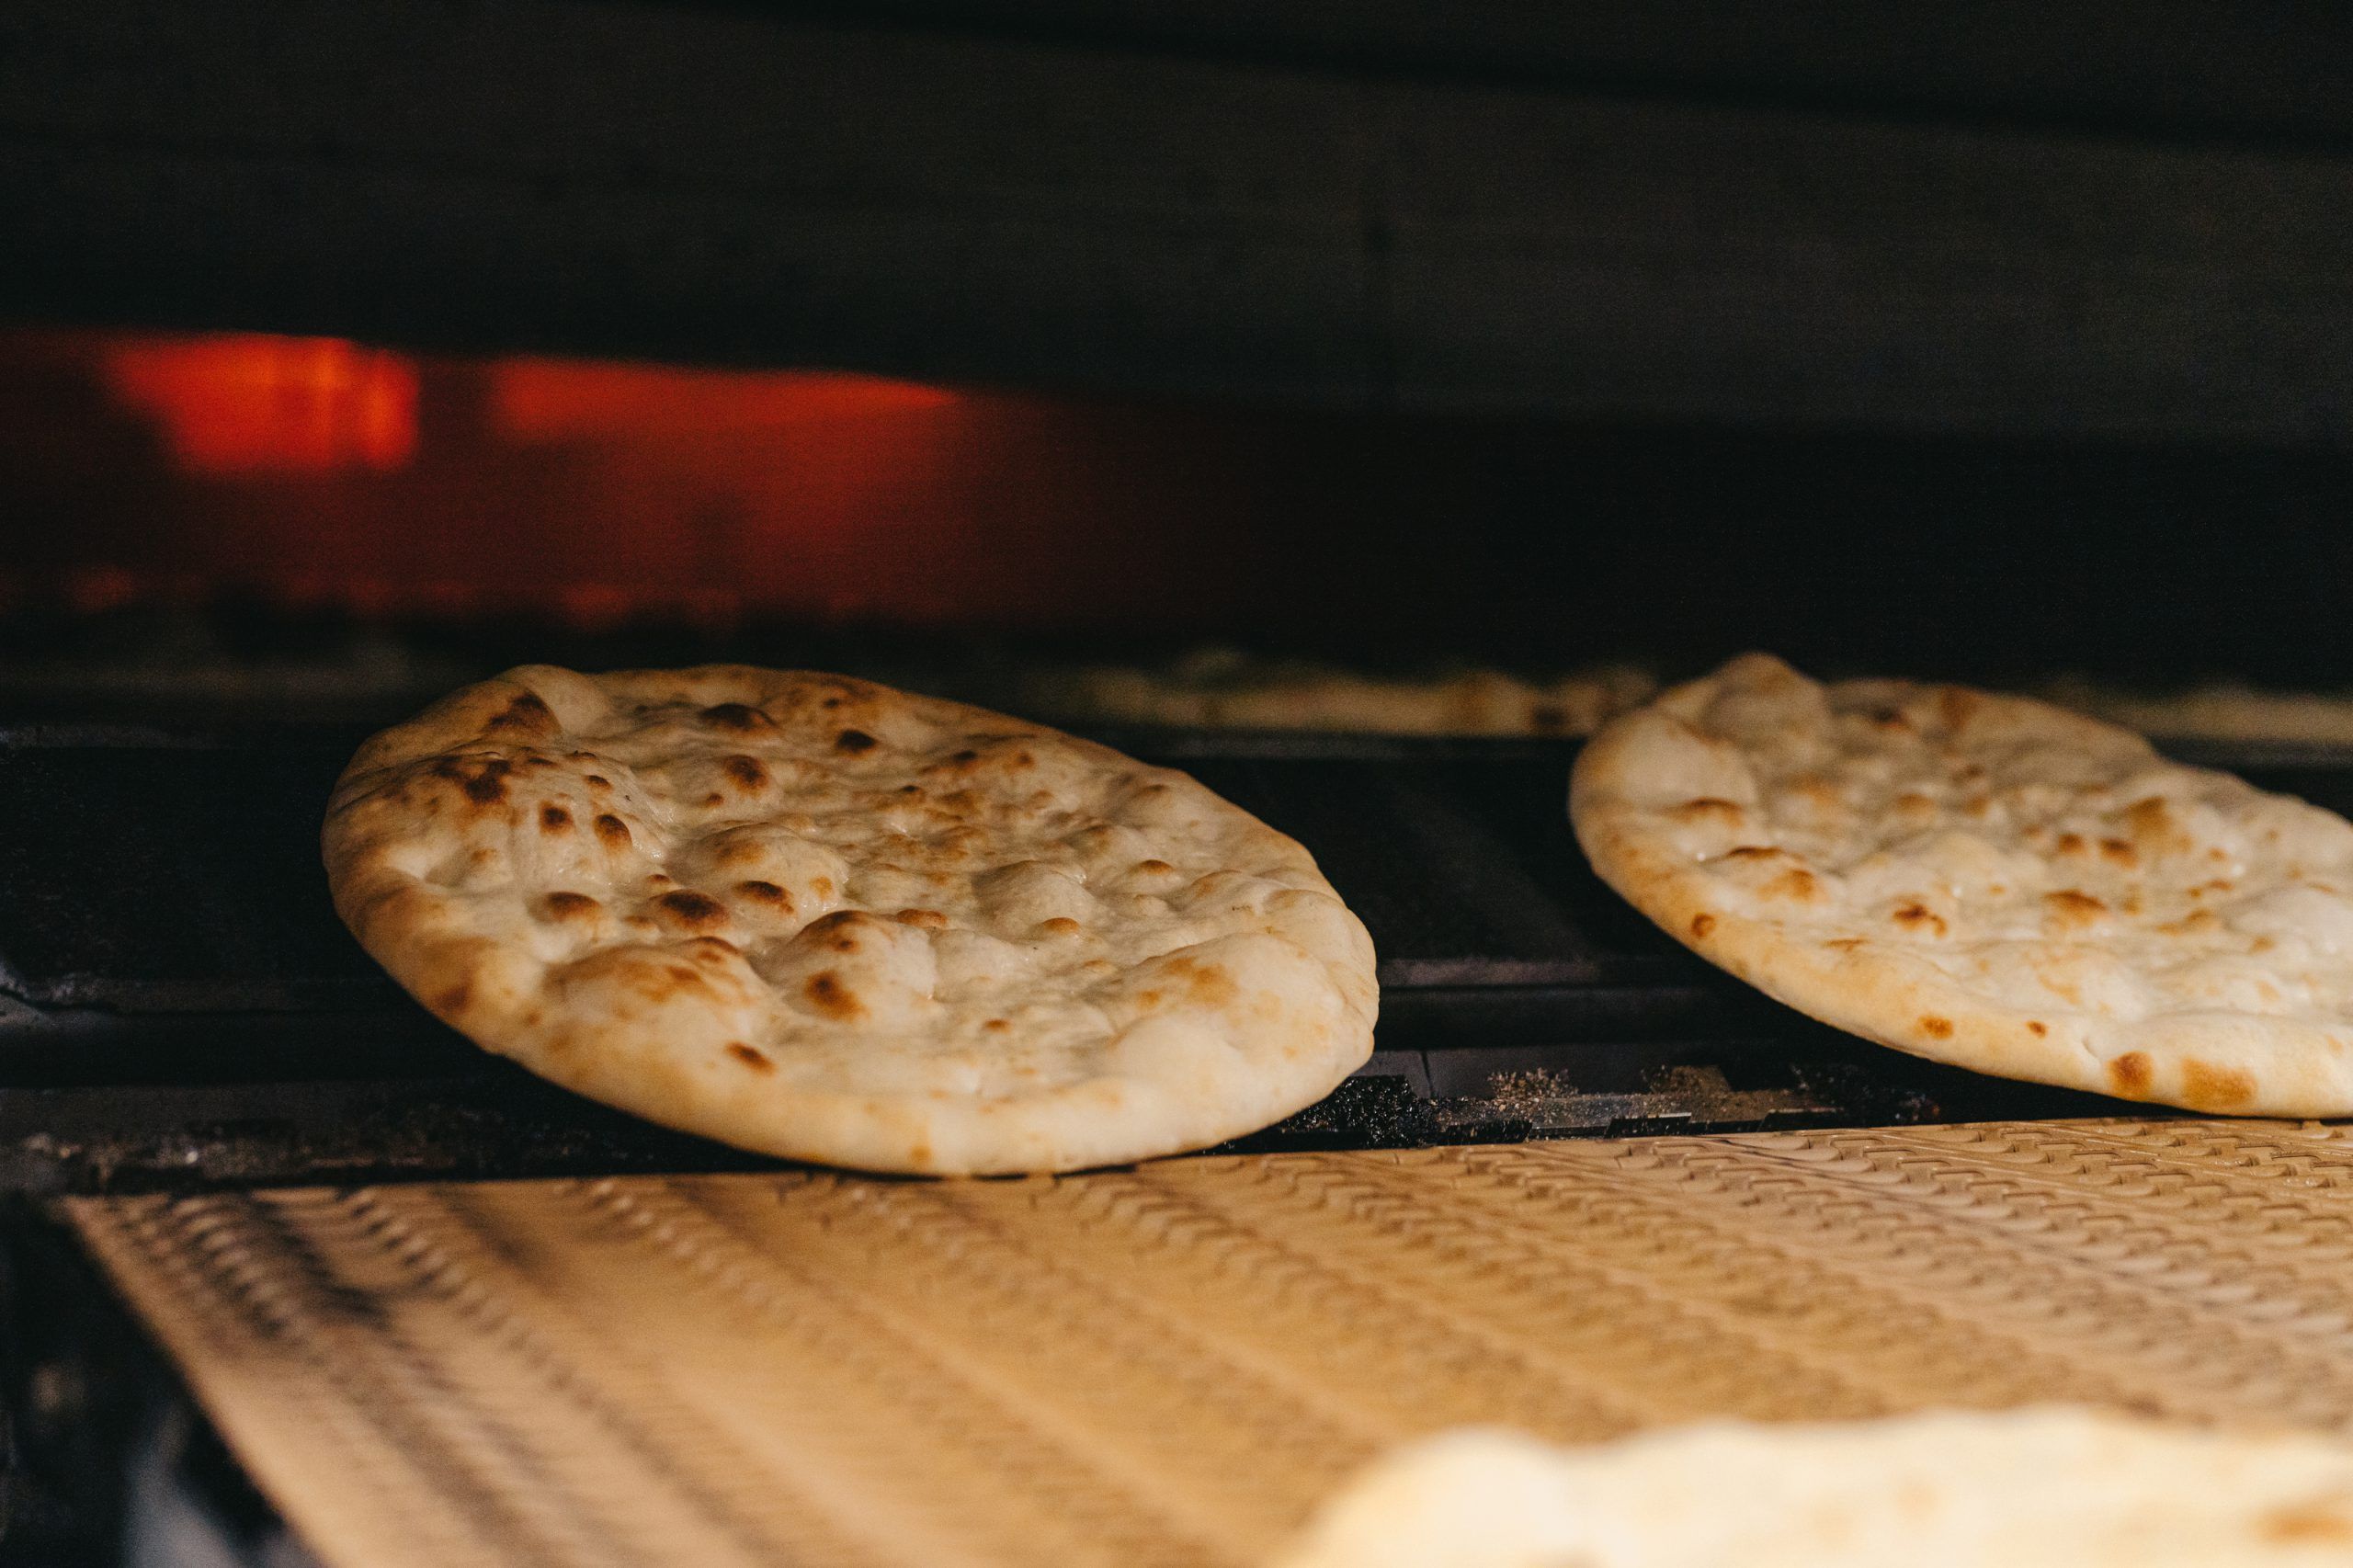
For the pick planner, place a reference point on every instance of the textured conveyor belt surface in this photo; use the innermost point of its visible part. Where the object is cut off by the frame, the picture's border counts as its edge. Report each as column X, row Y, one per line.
column 1168, row 1365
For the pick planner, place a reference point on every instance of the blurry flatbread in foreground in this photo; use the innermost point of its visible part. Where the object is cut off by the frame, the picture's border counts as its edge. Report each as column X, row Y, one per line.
column 1990, row 881
column 824, row 919
column 2219, row 711
column 2050, row 1488
column 1224, row 691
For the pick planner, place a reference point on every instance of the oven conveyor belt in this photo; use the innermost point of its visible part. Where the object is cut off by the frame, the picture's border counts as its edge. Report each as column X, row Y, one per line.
column 179, row 1006
column 1167, row 1366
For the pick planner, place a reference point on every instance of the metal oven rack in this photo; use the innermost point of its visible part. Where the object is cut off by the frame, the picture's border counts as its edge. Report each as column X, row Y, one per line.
column 180, row 1006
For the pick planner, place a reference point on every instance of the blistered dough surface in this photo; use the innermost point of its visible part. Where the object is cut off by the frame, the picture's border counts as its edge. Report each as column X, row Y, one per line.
column 825, row 919
column 1989, row 880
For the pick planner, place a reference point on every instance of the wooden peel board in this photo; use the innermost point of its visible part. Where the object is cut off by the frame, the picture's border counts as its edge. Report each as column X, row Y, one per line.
column 1168, row 1365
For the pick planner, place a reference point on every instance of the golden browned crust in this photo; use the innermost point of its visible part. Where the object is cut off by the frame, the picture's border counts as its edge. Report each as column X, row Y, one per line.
column 824, row 919
column 1988, row 881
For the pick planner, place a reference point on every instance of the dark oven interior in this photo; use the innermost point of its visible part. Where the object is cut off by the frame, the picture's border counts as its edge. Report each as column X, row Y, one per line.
column 252, row 548
column 350, row 353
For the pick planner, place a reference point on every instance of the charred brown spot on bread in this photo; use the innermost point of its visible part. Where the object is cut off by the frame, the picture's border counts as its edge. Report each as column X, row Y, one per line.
column 555, row 819
column 599, row 781
column 1796, row 884
column 1844, row 944
column 738, row 718
column 453, row 1001
column 822, row 886
column 955, row 763
column 1957, row 705
column 997, row 1025
column 2217, row 885
column 747, row 772
column 2036, row 1028
column 2072, row 844
column 691, row 911
column 484, row 785
column 571, row 905
column 1701, row 925
column 612, row 832
column 837, row 930
column 922, row 919
column 1912, row 803
column 1207, row 982
column 854, row 743
column 2308, row 1522
column 830, row 996
column 2151, row 824
column 1936, row 1027
column 1154, row 868
column 528, row 713
column 2261, row 945
column 764, row 892
column 1709, row 807
column 2129, row 1073
column 2120, row 852
column 1917, row 916
column 2208, row 1087
column 2195, row 923
column 1893, row 719
column 1753, row 852
column 2071, row 907
column 1059, row 926
column 751, row 1056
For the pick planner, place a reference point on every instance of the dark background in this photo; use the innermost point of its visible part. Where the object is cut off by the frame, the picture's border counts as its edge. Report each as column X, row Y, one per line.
column 1982, row 339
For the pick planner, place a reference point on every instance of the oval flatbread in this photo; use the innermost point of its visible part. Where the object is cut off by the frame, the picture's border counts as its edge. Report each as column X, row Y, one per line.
column 1225, row 690
column 2046, row 1488
column 2219, row 711
column 824, row 919
column 1990, row 881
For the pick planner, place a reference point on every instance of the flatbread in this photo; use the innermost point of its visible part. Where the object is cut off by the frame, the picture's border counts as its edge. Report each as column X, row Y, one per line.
column 821, row 919
column 2218, row 710
column 2047, row 1488
column 1218, row 690
column 1990, row 881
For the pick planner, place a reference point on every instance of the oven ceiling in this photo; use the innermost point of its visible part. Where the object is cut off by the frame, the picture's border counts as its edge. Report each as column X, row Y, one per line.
column 2125, row 221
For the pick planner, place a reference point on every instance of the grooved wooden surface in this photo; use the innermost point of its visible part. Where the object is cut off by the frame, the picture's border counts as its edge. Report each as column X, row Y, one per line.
column 1169, row 1365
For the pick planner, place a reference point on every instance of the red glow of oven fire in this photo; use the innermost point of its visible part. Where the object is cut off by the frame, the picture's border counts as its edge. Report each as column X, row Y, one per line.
column 332, row 475
column 555, row 400
column 246, row 402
